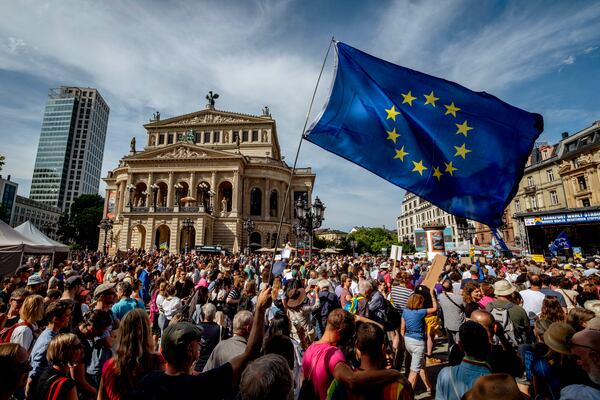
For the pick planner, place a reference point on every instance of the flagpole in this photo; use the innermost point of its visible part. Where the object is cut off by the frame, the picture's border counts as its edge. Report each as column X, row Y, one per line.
column 289, row 186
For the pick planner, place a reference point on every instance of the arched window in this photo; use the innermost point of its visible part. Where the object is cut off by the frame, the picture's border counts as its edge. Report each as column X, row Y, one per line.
column 273, row 204
column 255, row 201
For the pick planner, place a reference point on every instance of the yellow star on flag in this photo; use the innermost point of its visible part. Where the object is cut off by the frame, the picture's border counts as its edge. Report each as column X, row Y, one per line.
column 393, row 135
column 462, row 151
column 431, row 99
column 401, row 154
column 450, row 168
column 391, row 113
column 408, row 98
column 451, row 109
column 419, row 167
column 437, row 173
column 463, row 128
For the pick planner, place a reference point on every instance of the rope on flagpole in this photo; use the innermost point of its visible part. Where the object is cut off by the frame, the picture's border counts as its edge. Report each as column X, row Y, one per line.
column 289, row 186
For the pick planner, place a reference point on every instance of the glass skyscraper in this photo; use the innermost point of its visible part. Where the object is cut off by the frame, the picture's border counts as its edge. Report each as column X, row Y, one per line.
column 71, row 147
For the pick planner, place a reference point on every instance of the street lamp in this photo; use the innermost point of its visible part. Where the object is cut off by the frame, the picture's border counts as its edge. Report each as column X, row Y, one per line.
column 299, row 233
column 106, row 225
column 310, row 218
column 353, row 244
column 154, row 187
column 178, row 187
column 249, row 226
column 131, row 189
column 187, row 224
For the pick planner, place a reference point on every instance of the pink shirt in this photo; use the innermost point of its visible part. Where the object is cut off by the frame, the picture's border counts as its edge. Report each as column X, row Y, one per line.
column 484, row 300
column 314, row 360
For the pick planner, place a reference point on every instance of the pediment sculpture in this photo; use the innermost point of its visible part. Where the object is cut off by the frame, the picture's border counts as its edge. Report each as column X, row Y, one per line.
column 182, row 152
column 210, row 119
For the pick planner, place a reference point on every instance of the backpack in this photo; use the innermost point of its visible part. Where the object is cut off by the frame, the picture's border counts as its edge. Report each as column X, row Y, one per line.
column 6, row 333
column 352, row 305
column 502, row 316
column 392, row 317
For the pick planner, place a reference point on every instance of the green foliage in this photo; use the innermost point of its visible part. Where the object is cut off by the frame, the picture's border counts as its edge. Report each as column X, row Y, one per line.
column 372, row 240
column 80, row 225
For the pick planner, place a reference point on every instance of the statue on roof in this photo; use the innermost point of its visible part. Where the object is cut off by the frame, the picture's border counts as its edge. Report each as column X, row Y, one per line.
column 156, row 116
column 266, row 112
column 132, row 146
column 211, row 97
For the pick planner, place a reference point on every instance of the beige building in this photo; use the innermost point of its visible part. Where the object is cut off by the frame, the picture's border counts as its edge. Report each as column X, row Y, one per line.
column 330, row 235
column 210, row 170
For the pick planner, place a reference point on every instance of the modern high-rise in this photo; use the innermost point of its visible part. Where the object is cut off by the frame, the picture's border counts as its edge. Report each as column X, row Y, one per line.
column 71, row 147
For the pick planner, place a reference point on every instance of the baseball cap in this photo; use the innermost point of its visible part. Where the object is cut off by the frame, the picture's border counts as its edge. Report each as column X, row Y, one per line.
column 73, row 281
column 179, row 334
column 103, row 288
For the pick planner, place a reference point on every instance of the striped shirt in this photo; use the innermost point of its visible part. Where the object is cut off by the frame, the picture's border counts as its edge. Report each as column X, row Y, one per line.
column 399, row 296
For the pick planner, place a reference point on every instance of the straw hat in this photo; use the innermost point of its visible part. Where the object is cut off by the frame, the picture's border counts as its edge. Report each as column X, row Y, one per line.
column 494, row 387
column 557, row 337
column 295, row 297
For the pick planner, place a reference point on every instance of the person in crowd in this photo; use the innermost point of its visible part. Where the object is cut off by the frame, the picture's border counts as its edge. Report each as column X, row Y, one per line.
column 494, row 387
column 248, row 298
column 433, row 323
column 579, row 317
column 134, row 357
column 36, row 284
column 58, row 316
column 472, row 277
column 533, row 298
column 323, row 361
column 170, row 306
column 549, row 290
column 228, row 349
column 14, row 366
column 299, row 312
column 345, row 293
column 125, row 303
column 453, row 382
column 585, row 346
column 487, row 292
column 181, row 348
column 552, row 311
column 55, row 382
column 471, row 294
column 212, row 334
column 327, row 300
column 453, row 310
column 233, row 297
column 17, row 298
column 267, row 378
column 512, row 317
column 413, row 330
column 565, row 287
column 25, row 331
column 73, row 285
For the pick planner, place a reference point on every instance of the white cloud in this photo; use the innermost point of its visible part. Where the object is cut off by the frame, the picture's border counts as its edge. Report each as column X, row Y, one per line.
column 569, row 60
column 590, row 49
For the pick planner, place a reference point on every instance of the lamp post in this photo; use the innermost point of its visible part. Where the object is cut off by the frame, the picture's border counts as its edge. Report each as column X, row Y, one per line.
column 178, row 187
column 353, row 244
column 310, row 218
column 187, row 224
column 106, row 225
column 154, row 187
column 130, row 189
column 249, row 226
column 299, row 233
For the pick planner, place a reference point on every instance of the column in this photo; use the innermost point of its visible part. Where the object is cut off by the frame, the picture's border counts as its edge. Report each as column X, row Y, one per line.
column 266, row 194
column 157, row 138
column 121, row 205
column 150, row 195
column 192, row 183
column 129, row 195
column 170, row 190
column 215, row 202
column 235, row 193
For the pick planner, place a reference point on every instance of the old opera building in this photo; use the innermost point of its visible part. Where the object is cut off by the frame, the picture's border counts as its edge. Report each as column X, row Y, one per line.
column 198, row 178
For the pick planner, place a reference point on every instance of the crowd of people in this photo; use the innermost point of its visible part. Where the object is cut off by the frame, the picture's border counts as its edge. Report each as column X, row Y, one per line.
column 155, row 325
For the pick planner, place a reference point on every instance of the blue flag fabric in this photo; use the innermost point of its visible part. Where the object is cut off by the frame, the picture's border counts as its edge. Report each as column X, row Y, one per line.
column 560, row 243
column 463, row 151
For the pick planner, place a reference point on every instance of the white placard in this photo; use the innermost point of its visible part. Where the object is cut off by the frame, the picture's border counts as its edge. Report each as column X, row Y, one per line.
column 396, row 253
column 286, row 253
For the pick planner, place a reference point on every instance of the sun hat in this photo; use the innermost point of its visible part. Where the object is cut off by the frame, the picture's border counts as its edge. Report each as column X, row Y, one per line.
column 593, row 305
column 34, row 279
column 503, row 288
column 384, row 265
column 557, row 337
column 295, row 297
column 494, row 387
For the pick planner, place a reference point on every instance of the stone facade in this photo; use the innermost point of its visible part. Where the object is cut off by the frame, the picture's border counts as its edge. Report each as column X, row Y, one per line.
column 213, row 167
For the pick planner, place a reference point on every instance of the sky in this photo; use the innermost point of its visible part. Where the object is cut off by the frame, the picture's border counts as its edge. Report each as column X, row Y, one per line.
column 145, row 56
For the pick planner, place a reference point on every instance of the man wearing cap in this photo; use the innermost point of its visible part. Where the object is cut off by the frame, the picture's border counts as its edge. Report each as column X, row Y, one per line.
column 74, row 285
column 517, row 314
column 35, row 284
column 181, row 347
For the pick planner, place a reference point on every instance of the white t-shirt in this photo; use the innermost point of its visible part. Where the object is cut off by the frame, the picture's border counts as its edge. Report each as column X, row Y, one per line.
column 532, row 303
column 171, row 306
column 466, row 274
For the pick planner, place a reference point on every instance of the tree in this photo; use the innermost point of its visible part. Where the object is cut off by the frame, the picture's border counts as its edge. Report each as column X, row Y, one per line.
column 372, row 240
column 80, row 225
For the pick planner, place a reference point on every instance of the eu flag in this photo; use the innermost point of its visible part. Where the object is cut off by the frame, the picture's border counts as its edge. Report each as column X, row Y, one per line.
column 461, row 150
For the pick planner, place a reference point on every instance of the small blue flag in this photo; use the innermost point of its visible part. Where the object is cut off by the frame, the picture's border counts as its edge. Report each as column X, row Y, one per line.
column 463, row 151
column 560, row 243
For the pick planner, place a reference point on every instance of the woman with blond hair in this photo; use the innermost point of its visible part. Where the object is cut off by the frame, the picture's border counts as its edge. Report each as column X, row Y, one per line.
column 64, row 352
column 412, row 328
column 134, row 357
column 25, row 331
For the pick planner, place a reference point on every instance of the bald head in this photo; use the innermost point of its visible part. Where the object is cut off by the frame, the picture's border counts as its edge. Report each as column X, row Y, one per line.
column 485, row 319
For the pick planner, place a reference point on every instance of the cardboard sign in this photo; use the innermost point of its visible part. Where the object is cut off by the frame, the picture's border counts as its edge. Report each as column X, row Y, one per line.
column 396, row 253
column 434, row 271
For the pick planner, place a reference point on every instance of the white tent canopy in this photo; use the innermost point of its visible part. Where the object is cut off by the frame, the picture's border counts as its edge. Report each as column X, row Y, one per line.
column 12, row 247
column 29, row 230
